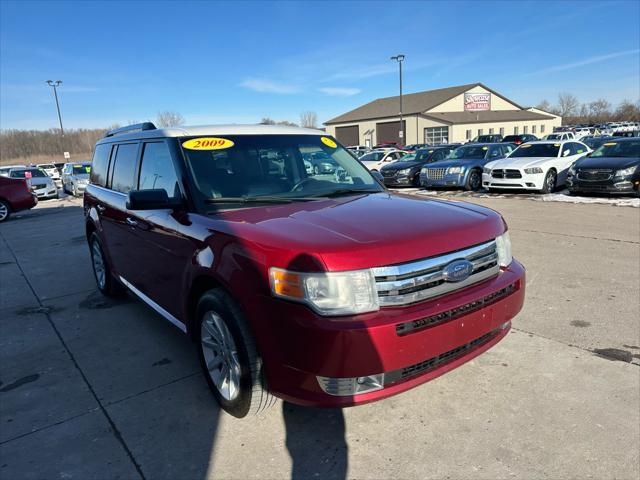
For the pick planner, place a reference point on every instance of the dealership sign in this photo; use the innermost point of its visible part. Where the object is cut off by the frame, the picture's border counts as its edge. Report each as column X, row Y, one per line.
column 477, row 101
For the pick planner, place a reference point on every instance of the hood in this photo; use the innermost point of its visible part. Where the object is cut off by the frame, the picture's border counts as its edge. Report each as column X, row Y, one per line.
column 399, row 165
column 614, row 163
column 80, row 176
column 519, row 162
column 357, row 232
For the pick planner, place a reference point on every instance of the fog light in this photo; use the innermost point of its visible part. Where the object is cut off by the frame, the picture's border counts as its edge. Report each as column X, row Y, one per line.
column 529, row 184
column 505, row 325
column 348, row 386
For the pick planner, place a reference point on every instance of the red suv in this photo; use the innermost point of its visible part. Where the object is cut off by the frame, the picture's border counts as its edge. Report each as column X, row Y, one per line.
column 320, row 289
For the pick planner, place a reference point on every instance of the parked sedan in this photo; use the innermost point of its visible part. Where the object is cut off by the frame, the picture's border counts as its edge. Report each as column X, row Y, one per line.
column 5, row 169
column 463, row 167
column 40, row 183
column 406, row 171
column 520, row 139
column 612, row 168
column 322, row 163
column 375, row 160
column 51, row 170
column 14, row 196
column 75, row 177
column 540, row 166
column 490, row 138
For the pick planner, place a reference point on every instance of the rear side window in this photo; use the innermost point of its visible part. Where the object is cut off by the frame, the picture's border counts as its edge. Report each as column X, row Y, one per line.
column 124, row 167
column 100, row 165
column 157, row 171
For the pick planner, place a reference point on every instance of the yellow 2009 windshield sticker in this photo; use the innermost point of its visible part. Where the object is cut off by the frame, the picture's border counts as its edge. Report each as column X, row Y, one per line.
column 328, row 142
column 208, row 143
column 610, row 144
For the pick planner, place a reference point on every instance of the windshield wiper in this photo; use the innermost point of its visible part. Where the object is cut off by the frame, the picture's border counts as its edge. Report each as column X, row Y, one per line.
column 345, row 191
column 259, row 199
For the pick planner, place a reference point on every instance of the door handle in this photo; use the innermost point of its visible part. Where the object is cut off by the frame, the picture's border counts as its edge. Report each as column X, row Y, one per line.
column 131, row 221
column 101, row 208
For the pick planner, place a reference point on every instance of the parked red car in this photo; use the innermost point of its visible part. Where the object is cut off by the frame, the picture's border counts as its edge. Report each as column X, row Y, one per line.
column 15, row 195
column 319, row 289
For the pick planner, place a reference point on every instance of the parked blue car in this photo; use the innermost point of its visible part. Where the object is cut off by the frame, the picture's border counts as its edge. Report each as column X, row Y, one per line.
column 463, row 167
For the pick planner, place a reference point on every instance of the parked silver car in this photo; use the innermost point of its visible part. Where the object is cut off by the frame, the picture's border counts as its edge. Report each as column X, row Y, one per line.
column 75, row 177
column 39, row 182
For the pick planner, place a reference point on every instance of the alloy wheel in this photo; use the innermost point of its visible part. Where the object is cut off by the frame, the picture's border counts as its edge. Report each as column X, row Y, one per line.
column 98, row 264
column 220, row 355
column 4, row 211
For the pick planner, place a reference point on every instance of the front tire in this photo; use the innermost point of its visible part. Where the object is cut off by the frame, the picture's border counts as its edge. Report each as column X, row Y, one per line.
column 474, row 181
column 228, row 356
column 106, row 282
column 550, row 181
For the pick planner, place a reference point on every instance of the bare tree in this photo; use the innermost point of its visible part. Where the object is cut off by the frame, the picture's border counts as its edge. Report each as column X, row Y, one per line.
column 599, row 110
column 287, row 123
column 628, row 111
column 568, row 105
column 309, row 119
column 169, row 119
column 544, row 105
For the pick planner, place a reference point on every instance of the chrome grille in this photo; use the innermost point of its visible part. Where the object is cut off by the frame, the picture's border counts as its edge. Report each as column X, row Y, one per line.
column 595, row 175
column 436, row 173
column 500, row 173
column 417, row 281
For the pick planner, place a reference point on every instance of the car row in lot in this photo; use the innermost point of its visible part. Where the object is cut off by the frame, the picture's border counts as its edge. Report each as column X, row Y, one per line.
column 45, row 179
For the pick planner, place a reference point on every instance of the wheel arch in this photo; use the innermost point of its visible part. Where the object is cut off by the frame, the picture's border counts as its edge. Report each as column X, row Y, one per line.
column 199, row 285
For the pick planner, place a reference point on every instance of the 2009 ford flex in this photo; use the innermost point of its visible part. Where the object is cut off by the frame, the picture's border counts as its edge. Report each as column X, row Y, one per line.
column 319, row 289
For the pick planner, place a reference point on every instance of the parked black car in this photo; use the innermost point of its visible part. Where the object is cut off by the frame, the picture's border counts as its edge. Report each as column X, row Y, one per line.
column 490, row 138
column 407, row 172
column 520, row 139
column 612, row 168
column 594, row 142
column 627, row 133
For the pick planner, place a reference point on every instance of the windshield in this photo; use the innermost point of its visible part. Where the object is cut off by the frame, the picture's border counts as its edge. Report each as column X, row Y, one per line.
column 469, row 153
column 273, row 167
column 81, row 170
column 46, row 165
column 618, row 149
column 372, row 157
column 31, row 172
column 554, row 136
column 408, row 158
column 594, row 142
column 536, row 150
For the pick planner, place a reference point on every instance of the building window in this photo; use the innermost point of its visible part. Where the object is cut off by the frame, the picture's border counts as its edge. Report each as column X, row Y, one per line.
column 541, row 128
column 516, row 130
column 533, row 129
column 480, row 131
column 502, row 131
column 491, row 131
column 468, row 134
column 436, row 135
column 526, row 129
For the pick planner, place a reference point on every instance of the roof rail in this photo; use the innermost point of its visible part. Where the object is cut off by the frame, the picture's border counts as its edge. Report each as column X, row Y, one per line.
column 138, row 127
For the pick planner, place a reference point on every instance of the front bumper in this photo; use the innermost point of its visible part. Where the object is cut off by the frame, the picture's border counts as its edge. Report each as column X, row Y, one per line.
column 447, row 180
column 528, row 181
column 628, row 185
column 304, row 346
column 46, row 192
column 398, row 180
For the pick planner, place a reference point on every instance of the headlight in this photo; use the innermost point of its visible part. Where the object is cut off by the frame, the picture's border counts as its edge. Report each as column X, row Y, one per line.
column 503, row 247
column 424, row 171
column 533, row 170
column 572, row 170
column 455, row 169
column 625, row 172
column 486, row 170
column 404, row 171
column 328, row 293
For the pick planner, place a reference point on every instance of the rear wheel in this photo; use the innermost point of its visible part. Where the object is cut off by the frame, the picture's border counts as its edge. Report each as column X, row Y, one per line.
column 474, row 180
column 105, row 281
column 228, row 356
column 5, row 211
column 550, row 180
column 316, row 170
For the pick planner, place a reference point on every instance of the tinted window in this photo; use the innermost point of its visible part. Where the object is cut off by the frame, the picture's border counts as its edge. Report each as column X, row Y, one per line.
column 124, row 166
column 100, row 165
column 469, row 152
column 28, row 173
column 536, row 150
column 619, row 148
column 157, row 169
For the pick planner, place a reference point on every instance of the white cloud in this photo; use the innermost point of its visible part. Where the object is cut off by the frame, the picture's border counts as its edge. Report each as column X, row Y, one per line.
column 267, row 86
column 339, row 91
column 586, row 61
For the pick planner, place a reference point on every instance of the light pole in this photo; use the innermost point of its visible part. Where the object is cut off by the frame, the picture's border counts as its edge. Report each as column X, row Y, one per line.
column 55, row 85
column 400, row 59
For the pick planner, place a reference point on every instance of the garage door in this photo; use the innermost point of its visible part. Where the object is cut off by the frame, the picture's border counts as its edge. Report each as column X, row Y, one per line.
column 348, row 136
column 388, row 132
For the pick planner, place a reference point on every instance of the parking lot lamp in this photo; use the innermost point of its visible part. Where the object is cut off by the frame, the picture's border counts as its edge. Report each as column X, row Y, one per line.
column 400, row 59
column 56, row 84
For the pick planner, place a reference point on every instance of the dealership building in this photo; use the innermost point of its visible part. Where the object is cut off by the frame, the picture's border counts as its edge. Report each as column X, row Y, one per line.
column 454, row 114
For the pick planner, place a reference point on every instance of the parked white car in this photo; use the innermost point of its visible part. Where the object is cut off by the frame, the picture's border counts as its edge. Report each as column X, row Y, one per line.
column 375, row 160
column 5, row 169
column 560, row 136
column 51, row 170
column 581, row 132
column 540, row 166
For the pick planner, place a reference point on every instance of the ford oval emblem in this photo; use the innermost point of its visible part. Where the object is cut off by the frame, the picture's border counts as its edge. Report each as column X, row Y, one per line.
column 457, row 271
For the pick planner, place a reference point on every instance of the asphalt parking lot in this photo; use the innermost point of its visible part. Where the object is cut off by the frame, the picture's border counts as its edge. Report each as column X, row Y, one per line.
column 96, row 388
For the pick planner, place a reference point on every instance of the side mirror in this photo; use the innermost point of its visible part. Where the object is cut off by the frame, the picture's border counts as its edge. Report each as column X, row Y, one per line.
column 156, row 199
column 566, row 153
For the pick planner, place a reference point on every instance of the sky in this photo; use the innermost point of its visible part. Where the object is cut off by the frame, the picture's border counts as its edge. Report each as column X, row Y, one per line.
column 237, row 62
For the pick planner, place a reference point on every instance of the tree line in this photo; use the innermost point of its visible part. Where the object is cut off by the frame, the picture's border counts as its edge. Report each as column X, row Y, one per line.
column 573, row 111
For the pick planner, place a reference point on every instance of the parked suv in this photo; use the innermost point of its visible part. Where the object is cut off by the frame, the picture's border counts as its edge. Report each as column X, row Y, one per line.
column 286, row 281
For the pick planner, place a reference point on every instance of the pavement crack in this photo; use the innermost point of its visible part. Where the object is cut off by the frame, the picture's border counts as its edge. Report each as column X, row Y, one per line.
column 575, row 236
column 114, row 428
column 129, row 397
